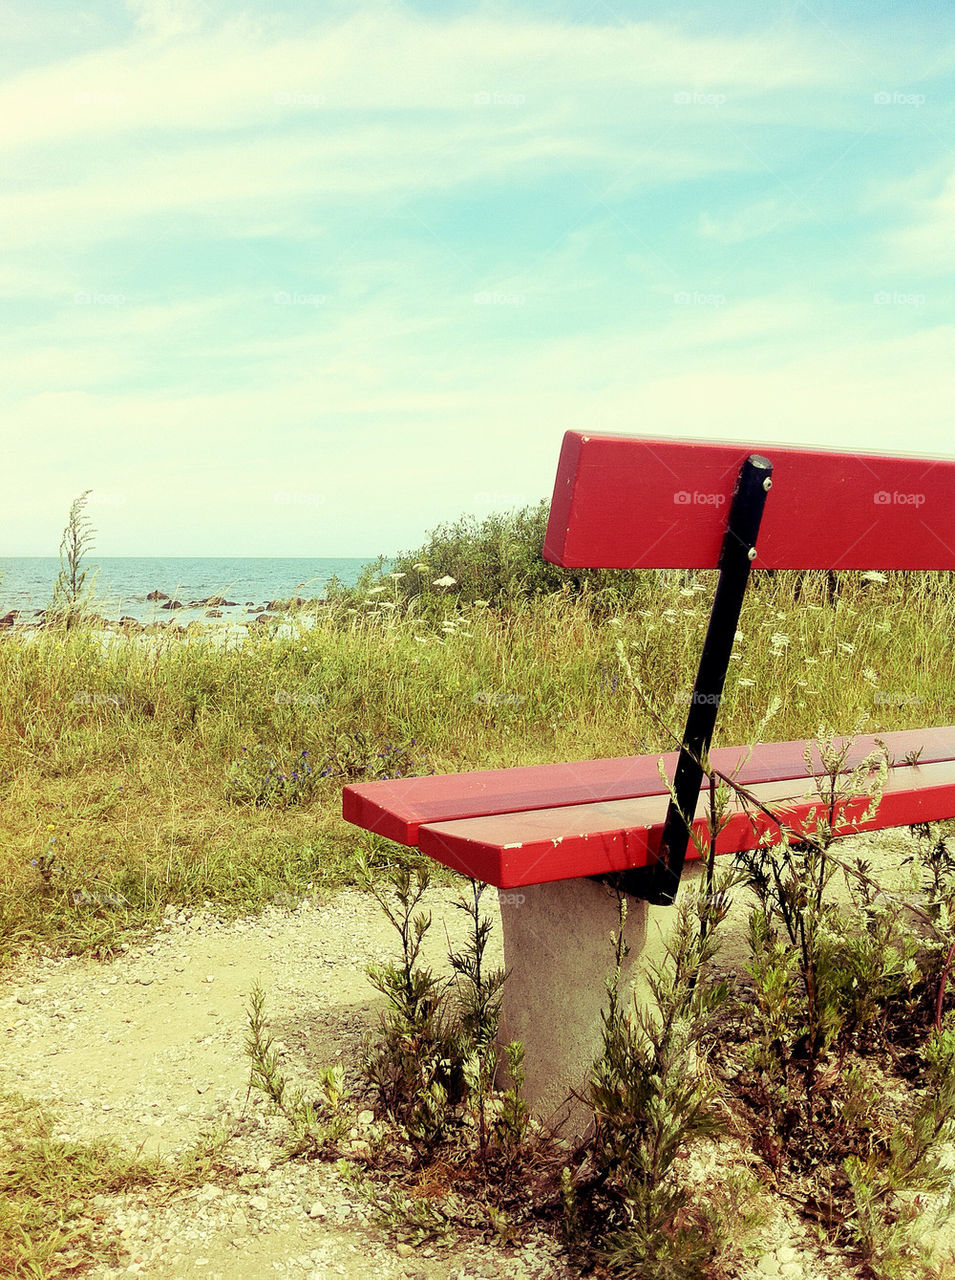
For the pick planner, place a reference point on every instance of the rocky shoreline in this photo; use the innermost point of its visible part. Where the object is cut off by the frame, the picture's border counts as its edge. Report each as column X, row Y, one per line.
column 215, row 608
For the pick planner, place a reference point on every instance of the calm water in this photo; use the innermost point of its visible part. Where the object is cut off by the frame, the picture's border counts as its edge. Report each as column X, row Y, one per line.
column 122, row 583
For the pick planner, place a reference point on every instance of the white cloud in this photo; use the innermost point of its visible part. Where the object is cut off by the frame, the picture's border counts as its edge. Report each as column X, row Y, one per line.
column 165, row 19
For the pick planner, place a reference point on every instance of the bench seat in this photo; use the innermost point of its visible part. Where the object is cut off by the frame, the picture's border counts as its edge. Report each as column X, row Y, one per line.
column 536, row 824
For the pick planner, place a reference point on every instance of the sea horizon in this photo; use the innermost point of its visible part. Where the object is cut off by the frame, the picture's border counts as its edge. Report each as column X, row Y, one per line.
column 119, row 585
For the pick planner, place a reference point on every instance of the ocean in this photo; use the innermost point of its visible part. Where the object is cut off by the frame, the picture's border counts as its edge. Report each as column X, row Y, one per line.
column 121, row 583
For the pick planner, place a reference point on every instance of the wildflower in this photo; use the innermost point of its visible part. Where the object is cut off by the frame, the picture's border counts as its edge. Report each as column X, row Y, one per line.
column 748, row 683
column 396, row 577
column 421, row 639
column 50, row 826
column 686, row 591
column 811, row 662
column 376, row 591
column 869, row 674
column 778, row 640
column 481, row 604
column 847, row 648
column 872, row 575
column 446, row 581
column 422, row 568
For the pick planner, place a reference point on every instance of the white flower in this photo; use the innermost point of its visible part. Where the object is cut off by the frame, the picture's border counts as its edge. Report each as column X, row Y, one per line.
column 376, row 591
column 847, row 648
column 422, row 568
column 481, row 604
column 872, row 575
column 396, row 576
column 446, row 581
column 748, row 683
column 686, row 591
column 778, row 640
column 421, row 639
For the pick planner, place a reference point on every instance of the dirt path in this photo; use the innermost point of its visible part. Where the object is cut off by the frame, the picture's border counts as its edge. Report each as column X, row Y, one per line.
column 148, row 1050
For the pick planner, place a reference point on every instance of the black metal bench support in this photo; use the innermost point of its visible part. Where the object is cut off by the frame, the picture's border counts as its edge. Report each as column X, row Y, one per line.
column 659, row 883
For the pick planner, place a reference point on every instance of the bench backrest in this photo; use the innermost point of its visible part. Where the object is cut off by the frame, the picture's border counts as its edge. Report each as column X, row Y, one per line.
column 623, row 503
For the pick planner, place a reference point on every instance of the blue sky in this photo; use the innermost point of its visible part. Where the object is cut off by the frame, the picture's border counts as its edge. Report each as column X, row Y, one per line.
column 311, row 279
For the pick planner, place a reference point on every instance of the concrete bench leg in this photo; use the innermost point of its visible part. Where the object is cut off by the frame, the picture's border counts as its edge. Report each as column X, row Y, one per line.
column 558, row 956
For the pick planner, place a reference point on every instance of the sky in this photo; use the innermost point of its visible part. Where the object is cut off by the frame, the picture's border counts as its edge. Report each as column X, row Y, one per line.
column 310, row 279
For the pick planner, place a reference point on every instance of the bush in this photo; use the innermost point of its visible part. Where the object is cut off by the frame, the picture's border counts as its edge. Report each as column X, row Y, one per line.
column 496, row 560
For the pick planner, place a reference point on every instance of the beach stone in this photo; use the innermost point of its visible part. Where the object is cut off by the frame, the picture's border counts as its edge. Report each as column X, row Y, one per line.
column 171, row 604
column 157, row 595
column 8, row 619
column 213, row 613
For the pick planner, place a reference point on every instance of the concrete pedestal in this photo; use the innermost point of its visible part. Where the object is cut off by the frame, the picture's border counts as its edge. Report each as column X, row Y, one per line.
column 558, row 956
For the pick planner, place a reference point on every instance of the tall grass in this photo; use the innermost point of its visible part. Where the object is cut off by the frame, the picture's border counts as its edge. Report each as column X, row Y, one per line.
column 120, row 750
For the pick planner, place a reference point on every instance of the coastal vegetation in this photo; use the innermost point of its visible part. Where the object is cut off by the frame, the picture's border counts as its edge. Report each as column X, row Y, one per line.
column 189, row 766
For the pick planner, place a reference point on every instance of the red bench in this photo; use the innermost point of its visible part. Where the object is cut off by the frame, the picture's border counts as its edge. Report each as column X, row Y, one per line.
column 633, row 503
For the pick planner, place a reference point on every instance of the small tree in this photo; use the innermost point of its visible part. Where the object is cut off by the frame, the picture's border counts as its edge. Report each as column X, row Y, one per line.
column 68, row 590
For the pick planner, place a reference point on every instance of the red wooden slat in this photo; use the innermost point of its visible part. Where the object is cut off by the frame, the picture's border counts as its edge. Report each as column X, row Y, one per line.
column 623, row 503
column 511, row 850
column 396, row 809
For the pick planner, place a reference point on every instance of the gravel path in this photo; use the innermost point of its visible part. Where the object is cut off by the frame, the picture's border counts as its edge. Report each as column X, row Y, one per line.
column 148, row 1050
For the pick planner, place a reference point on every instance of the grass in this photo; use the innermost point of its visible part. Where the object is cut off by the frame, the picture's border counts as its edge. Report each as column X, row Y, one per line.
column 117, row 754
column 48, row 1224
